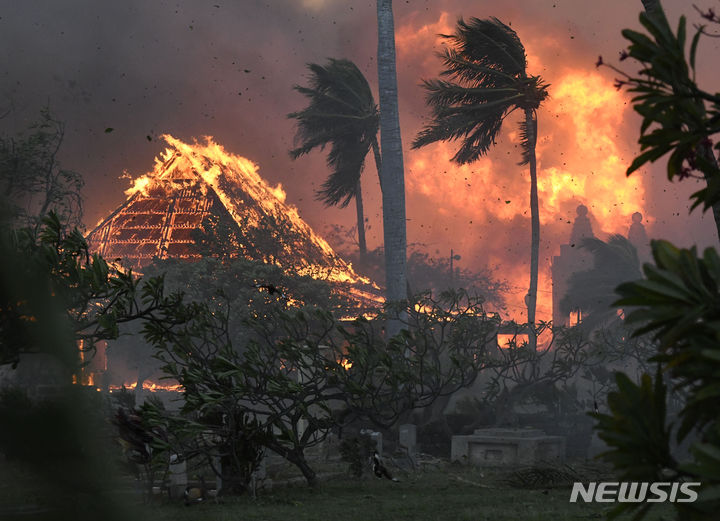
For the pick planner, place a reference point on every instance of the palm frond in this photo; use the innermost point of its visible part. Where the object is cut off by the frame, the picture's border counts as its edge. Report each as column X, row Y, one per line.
column 347, row 161
column 342, row 115
column 443, row 93
column 491, row 43
column 477, row 126
column 486, row 63
column 593, row 291
column 462, row 68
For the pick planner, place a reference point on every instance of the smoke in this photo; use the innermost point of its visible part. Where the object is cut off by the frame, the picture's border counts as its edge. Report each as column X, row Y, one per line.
column 226, row 69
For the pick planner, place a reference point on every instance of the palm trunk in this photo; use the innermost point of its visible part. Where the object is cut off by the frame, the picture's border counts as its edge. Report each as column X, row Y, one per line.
column 362, row 245
column 378, row 160
column 391, row 169
column 531, row 123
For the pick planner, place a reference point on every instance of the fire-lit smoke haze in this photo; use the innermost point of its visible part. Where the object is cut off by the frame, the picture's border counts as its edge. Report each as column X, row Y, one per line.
column 227, row 69
column 482, row 208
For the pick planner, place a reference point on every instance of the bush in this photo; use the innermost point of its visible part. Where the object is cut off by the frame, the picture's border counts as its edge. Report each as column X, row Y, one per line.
column 356, row 451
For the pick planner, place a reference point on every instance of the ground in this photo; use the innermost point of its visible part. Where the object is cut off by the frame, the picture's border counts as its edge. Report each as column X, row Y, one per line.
column 428, row 496
column 446, row 493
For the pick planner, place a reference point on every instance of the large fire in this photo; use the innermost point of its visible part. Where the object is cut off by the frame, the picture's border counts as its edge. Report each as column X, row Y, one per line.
column 482, row 209
column 188, row 173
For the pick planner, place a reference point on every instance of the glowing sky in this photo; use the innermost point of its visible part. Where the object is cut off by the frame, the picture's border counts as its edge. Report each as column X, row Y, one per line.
column 193, row 68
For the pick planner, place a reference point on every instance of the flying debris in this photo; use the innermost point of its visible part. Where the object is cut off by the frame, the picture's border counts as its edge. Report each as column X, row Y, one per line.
column 272, row 289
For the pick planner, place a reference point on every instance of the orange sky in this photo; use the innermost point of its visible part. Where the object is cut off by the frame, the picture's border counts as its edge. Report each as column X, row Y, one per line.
column 195, row 68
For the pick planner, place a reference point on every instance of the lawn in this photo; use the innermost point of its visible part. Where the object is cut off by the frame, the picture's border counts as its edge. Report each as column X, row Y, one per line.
column 428, row 496
column 449, row 493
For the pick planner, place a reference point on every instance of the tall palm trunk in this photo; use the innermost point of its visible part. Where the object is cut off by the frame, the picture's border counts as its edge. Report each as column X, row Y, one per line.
column 531, row 124
column 378, row 159
column 391, row 169
column 362, row 245
column 651, row 7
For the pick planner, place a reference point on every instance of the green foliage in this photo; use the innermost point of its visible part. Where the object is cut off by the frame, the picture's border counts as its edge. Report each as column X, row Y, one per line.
column 444, row 343
column 679, row 117
column 62, row 443
column 678, row 303
column 517, row 375
column 296, row 367
column 50, row 282
column 640, row 442
column 357, row 451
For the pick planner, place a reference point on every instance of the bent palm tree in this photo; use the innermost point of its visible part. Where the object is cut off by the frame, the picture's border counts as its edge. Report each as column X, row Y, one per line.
column 592, row 292
column 487, row 67
column 342, row 113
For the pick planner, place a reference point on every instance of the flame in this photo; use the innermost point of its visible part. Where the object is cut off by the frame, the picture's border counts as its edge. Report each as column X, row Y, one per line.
column 346, row 364
column 229, row 175
column 505, row 340
column 148, row 386
column 140, row 184
column 482, row 209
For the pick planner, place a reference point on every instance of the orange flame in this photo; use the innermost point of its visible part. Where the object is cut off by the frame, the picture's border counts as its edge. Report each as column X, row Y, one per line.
column 148, row 386
column 483, row 207
column 225, row 173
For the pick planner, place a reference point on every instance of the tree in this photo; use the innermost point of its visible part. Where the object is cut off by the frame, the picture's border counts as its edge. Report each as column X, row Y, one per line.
column 678, row 117
column 50, row 282
column 299, row 372
column 342, row 113
column 32, row 182
column 487, row 66
column 678, row 301
column 392, row 174
column 592, row 292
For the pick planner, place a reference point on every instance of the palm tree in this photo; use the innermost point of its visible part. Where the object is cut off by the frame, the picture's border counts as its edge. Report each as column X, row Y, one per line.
column 486, row 64
column 592, row 292
column 342, row 114
column 392, row 172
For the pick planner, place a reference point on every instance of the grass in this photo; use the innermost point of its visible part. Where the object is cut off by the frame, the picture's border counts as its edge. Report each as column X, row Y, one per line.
column 451, row 493
column 428, row 496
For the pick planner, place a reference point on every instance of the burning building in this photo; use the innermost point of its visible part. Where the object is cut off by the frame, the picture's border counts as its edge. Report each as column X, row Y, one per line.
column 201, row 200
column 196, row 186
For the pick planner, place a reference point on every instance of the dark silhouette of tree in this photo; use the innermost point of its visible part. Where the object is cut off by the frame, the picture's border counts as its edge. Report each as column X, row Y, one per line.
column 342, row 114
column 32, row 181
column 486, row 64
column 592, row 292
